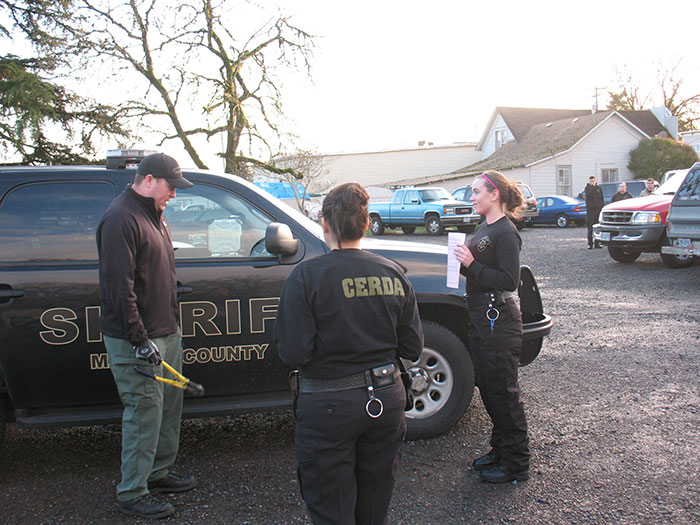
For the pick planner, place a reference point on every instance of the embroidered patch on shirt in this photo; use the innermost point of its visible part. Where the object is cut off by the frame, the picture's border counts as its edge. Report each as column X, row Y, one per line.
column 483, row 243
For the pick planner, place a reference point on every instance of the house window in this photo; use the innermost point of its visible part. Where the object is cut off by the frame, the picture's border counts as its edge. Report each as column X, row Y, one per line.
column 608, row 175
column 501, row 137
column 564, row 180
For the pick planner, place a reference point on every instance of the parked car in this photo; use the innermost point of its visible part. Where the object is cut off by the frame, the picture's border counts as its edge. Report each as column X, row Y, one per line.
column 632, row 226
column 431, row 207
column 529, row 207
column 560, row 210
column 683, row 221
column 232, row 259
column 634, row 188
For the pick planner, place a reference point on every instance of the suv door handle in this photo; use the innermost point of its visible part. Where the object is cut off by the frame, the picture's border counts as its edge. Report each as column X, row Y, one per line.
column 9, row 293
column 182, row 289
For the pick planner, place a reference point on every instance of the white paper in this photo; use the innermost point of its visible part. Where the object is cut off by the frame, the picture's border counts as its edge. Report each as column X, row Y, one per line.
column 453, row 240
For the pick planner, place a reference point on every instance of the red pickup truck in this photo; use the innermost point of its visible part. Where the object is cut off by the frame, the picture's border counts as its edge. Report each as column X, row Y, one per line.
column 632, row 226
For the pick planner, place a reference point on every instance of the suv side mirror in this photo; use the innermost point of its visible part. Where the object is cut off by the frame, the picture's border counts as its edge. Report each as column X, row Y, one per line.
column 279, row 240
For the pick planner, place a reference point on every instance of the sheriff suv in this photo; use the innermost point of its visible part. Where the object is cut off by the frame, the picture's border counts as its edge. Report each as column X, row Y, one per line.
column 234, row 245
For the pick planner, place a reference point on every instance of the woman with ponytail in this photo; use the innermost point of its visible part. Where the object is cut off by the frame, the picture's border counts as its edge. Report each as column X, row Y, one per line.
column 344, row 320
column 491, row 263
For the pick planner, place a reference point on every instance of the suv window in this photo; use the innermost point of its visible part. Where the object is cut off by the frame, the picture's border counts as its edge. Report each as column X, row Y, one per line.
column 525, row 190
column 206, row 221
column 690, row 189
column 52, row 221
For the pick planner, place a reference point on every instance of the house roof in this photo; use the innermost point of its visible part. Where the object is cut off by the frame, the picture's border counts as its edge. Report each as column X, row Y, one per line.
column 520, row 120
column 543, row 133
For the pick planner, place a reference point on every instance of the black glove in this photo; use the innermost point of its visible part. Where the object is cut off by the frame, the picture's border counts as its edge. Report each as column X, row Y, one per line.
column 148, row 351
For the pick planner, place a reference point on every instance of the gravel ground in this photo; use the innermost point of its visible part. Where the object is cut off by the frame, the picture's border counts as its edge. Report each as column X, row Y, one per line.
column 613, row 403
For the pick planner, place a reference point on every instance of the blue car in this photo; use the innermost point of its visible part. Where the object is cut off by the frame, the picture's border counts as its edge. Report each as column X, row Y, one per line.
column 560, row 210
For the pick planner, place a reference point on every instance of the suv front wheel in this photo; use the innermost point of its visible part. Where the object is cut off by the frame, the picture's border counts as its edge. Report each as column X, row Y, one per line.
column 442, row 383
column 623, row 255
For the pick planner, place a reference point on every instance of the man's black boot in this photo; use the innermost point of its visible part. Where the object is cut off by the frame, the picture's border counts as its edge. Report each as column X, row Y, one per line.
column 172, row 483
column 146, row 506
column 486, row 460
column 499, row 473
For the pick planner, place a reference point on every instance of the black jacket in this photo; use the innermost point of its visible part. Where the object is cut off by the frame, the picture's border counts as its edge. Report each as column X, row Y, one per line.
column 621, row 196
column 344, row 312
column 138, row 286
column 594, row 196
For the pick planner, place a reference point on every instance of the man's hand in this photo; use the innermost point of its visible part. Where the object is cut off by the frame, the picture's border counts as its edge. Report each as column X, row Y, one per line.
column 148, row 351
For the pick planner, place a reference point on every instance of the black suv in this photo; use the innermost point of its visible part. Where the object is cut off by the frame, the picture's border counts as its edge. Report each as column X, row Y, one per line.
column 234, row 247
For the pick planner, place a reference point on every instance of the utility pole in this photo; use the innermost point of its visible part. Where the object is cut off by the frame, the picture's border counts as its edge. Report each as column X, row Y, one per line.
column 595, row 96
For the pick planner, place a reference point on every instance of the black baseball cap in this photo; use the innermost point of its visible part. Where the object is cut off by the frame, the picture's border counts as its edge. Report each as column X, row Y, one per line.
column 165, row 167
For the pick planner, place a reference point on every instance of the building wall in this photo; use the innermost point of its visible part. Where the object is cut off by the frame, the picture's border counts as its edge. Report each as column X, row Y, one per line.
column 692, row 138
column 386, row 167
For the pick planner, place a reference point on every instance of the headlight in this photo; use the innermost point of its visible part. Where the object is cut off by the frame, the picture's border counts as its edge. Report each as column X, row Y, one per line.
column 448, row 211
column 646, row 217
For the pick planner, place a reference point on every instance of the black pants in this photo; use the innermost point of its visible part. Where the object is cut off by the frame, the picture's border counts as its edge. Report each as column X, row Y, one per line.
column 348, row 462
column 591, row 219
column 496, row 358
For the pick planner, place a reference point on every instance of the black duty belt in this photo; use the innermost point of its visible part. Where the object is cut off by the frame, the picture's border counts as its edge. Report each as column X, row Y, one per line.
column 483, row 298
column 377, row 377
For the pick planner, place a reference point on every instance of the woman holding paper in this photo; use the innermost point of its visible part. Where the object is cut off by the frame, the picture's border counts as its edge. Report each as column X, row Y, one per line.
column 491, row 263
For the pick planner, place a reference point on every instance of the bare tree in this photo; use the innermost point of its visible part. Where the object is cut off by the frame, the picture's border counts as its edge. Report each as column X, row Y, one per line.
column 311, row 171
column 629, row 95
column 187, row 53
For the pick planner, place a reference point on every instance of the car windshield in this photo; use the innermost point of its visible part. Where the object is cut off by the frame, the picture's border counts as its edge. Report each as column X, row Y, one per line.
column 525, row 191
column 435, row 194
column 670, row 187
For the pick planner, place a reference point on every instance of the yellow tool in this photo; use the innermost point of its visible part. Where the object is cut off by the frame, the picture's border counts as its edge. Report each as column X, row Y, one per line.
column 180, row 381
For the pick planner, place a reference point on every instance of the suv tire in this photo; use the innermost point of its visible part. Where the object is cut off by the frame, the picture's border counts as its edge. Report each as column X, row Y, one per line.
column 446, row 362
column 408, row 230
column 623, row 255
column 675, row 261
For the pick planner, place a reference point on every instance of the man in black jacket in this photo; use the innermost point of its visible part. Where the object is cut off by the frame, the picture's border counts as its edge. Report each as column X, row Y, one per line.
column 594, row 203
column 138, row 294
column 621, row 193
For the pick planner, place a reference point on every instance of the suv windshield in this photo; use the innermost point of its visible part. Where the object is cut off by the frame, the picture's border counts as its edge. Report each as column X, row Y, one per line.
column 435, row 194
column 525, row 191
column 690, row 189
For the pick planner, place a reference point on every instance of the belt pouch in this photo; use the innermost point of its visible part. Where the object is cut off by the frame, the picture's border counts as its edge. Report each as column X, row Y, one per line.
column 294, row 386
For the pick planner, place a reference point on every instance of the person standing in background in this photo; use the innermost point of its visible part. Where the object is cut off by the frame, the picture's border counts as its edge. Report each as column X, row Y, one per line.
column 594, row 203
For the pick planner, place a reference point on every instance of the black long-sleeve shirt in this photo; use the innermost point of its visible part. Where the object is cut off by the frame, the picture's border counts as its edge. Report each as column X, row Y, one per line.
column 344, row 312
column 138, row 286
column 496, row 265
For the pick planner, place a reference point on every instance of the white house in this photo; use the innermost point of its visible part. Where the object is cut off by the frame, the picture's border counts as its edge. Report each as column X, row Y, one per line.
column 692, row 138
column 554, row 151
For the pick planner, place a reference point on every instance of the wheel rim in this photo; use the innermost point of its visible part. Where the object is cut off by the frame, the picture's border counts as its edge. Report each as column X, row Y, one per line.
column 433, row 225
column 375, row 225
column 561, row 222
column 432, row 383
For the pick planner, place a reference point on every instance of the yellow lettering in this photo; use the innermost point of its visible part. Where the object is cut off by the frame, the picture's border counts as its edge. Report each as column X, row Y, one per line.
column 361, row 286
column 388, row 286
column 398, row 287
column 348, row 291
column 375, row 285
